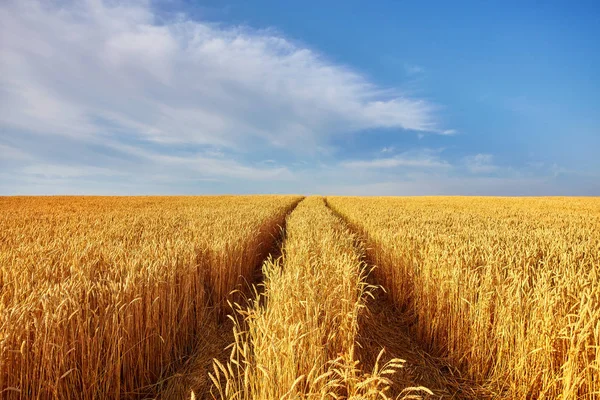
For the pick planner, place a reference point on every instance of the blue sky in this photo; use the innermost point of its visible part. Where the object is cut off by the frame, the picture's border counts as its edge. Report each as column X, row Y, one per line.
column 338, row 97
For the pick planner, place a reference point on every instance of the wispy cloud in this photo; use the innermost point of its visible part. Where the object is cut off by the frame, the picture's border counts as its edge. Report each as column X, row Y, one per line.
column 11, row 153
column 448, row 185
column 98, row 96
column 480, row 163
column 212, row 167
column 124, row 87
column 412, row 159
column 412, row 69
column 54, row 171
column 67, row 68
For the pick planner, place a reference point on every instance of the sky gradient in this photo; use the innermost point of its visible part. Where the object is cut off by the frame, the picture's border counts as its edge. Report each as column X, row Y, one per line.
column 340, row 97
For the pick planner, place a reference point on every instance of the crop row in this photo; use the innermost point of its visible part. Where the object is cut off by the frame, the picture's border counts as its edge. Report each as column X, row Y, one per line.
column 101, row 297
column 506, row 289
column 297, row 339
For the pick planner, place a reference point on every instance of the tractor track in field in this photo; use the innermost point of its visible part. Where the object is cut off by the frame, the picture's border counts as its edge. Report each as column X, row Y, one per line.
column 193, row 376
column 383, row 326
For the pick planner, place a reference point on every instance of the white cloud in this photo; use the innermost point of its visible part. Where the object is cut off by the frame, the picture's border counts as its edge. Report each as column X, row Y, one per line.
column 54, row 171
column 412, row 159
column 85, row 69
column 480, row 163
column 13, row 154
column 111, row 95
column 211, row 167
column 96, row 91
column 451, row 186
column 207, row 164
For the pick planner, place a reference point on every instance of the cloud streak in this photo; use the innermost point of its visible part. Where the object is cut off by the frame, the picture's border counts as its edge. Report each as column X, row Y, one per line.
column 90, row 68
column 424, row 159
column 111, row 97
column 92, row 88
column 480, row 164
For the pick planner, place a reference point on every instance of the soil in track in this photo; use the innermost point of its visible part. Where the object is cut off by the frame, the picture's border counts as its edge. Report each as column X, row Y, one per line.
column 383, row 326
column 193, row 376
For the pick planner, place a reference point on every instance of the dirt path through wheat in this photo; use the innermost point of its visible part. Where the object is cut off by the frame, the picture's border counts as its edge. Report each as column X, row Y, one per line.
column 383, row 326
column 193, row 376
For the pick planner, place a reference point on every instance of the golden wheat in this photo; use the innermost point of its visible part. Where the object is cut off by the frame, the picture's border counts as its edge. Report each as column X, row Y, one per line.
column 100, row 297
column 297, row 339
column 104, row 297
column 507, row 289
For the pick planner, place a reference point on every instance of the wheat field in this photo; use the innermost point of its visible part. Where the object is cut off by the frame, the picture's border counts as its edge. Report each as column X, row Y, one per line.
column 297, row 339
column 506, row 289
column 101, row 297
column 109, row 297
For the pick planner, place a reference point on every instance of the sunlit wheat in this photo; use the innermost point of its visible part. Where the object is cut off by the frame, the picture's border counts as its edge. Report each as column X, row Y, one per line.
column 100, row 297
column 507, row 289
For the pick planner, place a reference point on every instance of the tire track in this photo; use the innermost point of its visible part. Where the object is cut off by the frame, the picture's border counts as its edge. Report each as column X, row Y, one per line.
column 383, row 326
column 193, row 376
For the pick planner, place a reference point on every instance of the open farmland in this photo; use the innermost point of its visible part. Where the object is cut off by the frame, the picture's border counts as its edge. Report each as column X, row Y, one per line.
column 358, row 298
column 507, row 290
column 299, row 337
column 101, row 297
